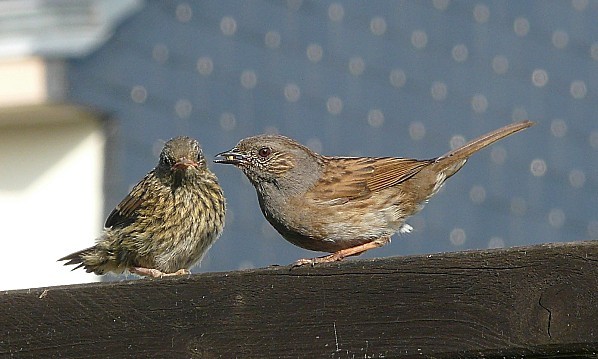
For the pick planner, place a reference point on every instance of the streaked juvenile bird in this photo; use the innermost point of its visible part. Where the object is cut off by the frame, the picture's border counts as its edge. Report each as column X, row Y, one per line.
column 343, row 205
column 166, row 223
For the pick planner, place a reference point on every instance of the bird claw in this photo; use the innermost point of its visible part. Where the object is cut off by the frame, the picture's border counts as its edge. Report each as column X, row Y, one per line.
column 181, row 271
column 334, row 257
column 146, row 272
column 155, row 273
column 303, row 261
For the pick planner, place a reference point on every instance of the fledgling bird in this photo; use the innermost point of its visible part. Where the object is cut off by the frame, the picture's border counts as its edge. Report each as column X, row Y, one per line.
column 343, row 205
column 166, row 223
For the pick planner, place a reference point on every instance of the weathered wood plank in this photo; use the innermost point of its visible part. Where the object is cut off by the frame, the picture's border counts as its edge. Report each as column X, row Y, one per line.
column 539, row 301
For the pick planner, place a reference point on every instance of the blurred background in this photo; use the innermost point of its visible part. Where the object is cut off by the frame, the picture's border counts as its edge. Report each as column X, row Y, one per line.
column 91, row 89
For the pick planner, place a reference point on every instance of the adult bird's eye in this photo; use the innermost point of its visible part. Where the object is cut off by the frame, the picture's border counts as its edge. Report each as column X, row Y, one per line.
column 264, row 152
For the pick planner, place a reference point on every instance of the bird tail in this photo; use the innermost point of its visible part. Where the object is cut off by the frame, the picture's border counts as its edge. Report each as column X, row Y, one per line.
column 456, row 158
column 89, row 258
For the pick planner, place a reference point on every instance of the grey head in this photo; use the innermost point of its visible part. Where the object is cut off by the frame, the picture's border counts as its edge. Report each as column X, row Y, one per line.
column 275, row 163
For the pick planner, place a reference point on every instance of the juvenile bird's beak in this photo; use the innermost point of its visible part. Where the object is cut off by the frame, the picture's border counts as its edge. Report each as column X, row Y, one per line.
column 230, row 157
column 183, row 164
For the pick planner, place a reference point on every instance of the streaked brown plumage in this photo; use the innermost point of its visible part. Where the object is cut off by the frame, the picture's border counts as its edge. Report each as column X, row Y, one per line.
column 343, row 205
column 166, row 223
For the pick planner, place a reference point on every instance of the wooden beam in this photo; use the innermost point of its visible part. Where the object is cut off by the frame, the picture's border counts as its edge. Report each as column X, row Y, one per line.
column 539, row 301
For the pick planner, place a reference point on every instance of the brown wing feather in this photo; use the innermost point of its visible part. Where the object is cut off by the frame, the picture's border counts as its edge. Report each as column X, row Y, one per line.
column 392, row 171
column 347, row 178
column 126, row 211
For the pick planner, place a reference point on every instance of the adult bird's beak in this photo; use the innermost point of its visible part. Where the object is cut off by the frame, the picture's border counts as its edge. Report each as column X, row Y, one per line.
column 183, row 164
column 230, row 157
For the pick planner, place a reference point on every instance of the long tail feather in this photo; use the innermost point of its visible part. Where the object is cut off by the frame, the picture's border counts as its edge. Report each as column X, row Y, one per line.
column 477, row 144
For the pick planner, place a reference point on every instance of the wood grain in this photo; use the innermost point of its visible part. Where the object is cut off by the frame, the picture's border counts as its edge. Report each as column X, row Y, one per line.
column 539, row 301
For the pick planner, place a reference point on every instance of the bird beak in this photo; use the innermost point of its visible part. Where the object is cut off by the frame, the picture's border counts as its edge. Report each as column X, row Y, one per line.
column 183, row 164
column 230, row 157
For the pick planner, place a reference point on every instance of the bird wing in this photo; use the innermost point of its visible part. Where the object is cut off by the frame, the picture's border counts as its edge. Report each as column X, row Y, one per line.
column 127, row 210
column 348, row 178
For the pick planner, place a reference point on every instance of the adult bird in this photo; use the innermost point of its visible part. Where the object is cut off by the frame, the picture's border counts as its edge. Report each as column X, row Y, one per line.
column 343, row 205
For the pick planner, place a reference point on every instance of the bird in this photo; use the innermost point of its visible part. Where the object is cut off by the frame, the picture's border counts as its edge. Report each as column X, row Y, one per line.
column 166, row 223
column 343, row 205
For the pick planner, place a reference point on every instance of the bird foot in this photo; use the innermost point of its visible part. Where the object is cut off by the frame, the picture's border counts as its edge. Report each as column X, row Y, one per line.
column 181, row 271
column 334, row 257
column 155, row 273
column 343, row 253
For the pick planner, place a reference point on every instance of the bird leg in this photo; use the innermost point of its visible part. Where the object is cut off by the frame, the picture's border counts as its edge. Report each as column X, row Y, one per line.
column 155, row 273
column 343, row 253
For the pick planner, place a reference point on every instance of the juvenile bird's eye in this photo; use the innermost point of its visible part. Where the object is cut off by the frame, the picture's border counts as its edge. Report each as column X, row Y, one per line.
column 264, row 152
column 165, row 159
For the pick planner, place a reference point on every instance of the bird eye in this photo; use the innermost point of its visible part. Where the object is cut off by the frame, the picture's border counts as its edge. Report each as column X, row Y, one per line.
column 264, row 152
column 165, row 159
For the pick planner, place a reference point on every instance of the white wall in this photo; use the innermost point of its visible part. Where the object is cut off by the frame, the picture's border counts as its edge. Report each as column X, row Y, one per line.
column 50, row 198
